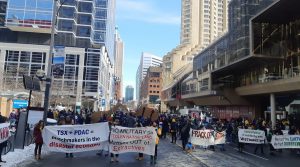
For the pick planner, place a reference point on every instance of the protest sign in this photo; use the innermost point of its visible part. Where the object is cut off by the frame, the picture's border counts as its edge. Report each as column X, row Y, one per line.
column 207, row 137
column 202, row 137
column 285, row 141
column 76, row 138
column 251, row 136
column 141, row 140
column 4, row 132
column 35, row 114
column 220, row 137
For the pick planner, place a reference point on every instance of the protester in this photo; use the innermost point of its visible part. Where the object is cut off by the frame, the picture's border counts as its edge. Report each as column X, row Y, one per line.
column 38, row 139
column 185, row 134
column 240, row 144
column 261, row 146
column 3, row 144
column 165, row 127
column 173, row 130
column 114, row 157
column 154, row 158
column 69, row 121
column 140, row 155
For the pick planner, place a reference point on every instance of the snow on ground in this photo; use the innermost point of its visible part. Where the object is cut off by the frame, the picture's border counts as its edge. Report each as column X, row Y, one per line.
column 24, row 156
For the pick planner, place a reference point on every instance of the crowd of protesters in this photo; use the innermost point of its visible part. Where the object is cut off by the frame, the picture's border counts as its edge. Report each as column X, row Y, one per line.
column 177, row 127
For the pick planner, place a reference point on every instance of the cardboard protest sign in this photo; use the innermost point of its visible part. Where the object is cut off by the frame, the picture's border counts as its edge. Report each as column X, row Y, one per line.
column 76, row 138
column 141, row 140
column 286, row 141
column 4, row 132
column 207, row 137
column 251, row 136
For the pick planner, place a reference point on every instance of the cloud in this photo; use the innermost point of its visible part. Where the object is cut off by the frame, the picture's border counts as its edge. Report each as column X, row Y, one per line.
column 145, row 11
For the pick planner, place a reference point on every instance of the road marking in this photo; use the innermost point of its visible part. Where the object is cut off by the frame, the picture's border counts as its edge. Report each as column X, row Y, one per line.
column 253, row 154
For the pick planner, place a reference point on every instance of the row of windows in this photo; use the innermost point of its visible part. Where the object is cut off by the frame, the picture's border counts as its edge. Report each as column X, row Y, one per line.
column 153, row 91
column 154, row 80
column 154, row 86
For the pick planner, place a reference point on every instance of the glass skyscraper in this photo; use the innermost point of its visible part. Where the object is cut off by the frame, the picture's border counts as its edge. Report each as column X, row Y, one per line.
column 80, row 23
column 3, row 4
column 82, row 26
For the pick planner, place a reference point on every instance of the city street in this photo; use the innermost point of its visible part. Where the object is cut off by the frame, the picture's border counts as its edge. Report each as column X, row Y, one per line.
column 168, row 155
column 172, row 155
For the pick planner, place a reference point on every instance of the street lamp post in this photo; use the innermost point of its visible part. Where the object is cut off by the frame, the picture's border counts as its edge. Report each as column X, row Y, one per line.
column 49, row 70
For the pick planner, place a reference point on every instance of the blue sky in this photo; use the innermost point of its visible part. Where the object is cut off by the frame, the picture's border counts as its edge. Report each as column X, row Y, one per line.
column 146, row 26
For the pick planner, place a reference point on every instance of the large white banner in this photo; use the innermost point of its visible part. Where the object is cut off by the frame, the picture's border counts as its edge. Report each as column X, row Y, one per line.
column 207, row 137
column 251, row 136
column 76, row 138
column 286, row 141
column 4, row 132
column 141, row 140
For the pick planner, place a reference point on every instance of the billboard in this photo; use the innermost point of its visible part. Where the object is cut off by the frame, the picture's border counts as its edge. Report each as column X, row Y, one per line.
column 58, row 62
column 20, row 103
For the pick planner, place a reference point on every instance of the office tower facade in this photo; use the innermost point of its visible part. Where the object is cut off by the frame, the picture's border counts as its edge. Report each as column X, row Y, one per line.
column 129, row 93
column 119, row 55
column 147, row 60
column 3, row 5
column 203, row 21
column 151, row 87
column 84, row 28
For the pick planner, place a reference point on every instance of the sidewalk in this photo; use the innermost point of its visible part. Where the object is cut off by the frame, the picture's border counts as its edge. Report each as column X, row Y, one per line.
column 18, row 156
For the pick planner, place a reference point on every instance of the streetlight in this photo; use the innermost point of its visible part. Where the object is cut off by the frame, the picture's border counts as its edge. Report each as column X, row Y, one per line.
column 49, row 70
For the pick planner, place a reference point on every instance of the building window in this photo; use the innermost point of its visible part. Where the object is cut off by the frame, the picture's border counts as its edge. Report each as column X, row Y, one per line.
column 154, row 86
column 67, row 12
column 99, row 36
column 157, row 92
column 100, row 25
column 83, row 31
column 101, row 14
column 150, row 86
column 85, row 7
column 101, row 3
column 150, row 91
column 65, row 25
column 84, row 19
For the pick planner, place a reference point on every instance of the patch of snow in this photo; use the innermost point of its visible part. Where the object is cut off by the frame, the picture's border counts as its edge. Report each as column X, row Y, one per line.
column 18, row 156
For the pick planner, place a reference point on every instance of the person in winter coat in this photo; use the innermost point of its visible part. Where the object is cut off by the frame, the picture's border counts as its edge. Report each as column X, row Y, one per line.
column 69, row 121
column 38, row 139
column 174, row 128
column 165, row 128
column 3, row 144
column 185, row 134
column 154, row 158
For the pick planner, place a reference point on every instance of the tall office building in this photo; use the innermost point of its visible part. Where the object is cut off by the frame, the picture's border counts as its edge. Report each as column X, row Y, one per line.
column 119, row 55
column 147, row 60
column 86, row 29
column 129, row 93
column 3, row 4
column 203, row 21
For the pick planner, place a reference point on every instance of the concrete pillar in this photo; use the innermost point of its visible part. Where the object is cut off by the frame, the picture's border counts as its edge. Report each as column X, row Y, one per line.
column 273, row 110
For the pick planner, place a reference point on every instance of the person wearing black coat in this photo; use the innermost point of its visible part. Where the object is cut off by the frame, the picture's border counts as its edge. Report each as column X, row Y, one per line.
column 185, row 134
column 174, row 129
column 3, row 144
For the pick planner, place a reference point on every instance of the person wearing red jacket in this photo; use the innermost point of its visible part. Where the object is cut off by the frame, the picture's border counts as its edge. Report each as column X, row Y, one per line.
column 38, row 139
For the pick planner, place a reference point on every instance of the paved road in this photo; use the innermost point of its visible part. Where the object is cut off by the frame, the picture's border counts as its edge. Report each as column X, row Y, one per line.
column 169, row 156
column 232, row 158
